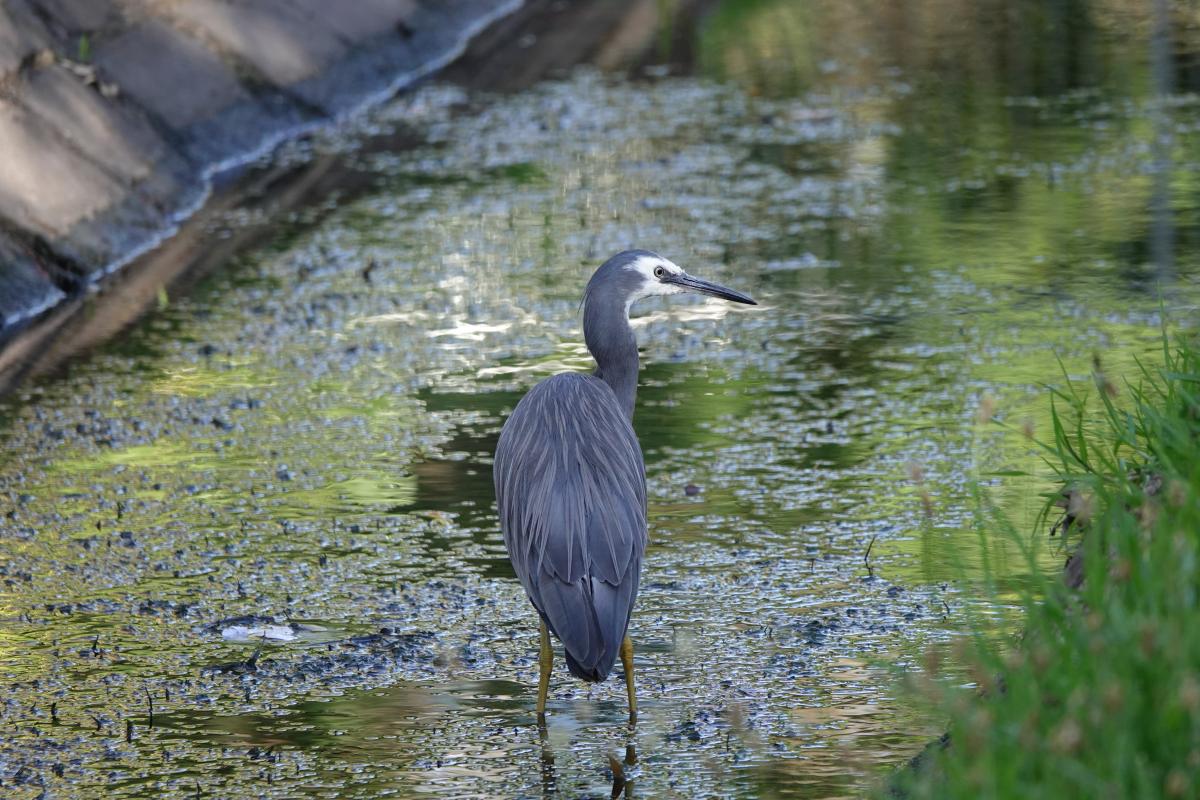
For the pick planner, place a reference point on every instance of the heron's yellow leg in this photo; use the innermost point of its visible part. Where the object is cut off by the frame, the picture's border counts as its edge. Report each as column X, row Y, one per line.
column 627, row 662
column 545, row 662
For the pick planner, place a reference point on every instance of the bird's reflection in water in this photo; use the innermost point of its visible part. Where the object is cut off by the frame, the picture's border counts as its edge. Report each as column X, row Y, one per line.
column 549, row 779
column 622, row 785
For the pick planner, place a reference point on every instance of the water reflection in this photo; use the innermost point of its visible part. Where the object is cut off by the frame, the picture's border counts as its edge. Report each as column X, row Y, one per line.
column 304, row 444
column 1162, row 237
column 620, row 769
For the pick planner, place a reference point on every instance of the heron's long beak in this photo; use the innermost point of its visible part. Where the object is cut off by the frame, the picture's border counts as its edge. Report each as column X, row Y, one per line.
column 699, row 286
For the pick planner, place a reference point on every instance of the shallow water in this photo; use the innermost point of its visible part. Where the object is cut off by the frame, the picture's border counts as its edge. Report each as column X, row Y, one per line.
column 303, row 444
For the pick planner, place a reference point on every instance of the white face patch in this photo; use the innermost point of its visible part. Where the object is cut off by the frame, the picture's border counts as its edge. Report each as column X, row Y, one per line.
column 651, row 268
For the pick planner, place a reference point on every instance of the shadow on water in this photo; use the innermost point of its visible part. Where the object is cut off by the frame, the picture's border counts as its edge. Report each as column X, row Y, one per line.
column 263, row 519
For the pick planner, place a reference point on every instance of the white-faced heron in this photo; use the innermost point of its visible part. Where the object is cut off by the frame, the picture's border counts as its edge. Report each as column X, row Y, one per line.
column 571, row 484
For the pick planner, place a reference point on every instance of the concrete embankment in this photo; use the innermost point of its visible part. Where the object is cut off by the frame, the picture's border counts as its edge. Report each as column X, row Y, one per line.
column 115, row 114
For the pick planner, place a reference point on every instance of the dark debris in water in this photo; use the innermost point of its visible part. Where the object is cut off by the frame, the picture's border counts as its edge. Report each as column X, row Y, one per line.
column 370, row 654
column 340, row 662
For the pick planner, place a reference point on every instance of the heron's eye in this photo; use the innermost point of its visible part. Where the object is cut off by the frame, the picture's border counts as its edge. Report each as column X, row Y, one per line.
column 659, row 272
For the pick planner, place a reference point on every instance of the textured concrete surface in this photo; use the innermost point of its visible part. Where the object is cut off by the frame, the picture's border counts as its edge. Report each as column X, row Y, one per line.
column 115, row 113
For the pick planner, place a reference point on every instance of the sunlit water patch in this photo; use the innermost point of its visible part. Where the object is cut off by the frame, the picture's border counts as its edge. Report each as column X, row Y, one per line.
column 253, row 545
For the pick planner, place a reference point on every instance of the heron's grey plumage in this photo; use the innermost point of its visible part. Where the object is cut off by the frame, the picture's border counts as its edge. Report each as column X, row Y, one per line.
column 571, row 491
column 569, row 476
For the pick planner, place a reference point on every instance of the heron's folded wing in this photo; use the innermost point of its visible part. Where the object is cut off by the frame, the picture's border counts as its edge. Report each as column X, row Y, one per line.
column 571, row 493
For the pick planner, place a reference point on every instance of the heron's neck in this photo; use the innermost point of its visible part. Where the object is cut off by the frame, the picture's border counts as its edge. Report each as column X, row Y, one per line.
column 613, row 345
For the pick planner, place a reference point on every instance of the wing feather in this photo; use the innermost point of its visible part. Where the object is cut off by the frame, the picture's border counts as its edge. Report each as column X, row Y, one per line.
column 571, row 494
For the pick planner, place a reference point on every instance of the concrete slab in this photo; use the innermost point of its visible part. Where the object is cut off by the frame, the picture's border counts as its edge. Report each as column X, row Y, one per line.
column 25, row 289
column 79, row 16
column 170, row 74
column 130, row 148
column 242, row 130
column 117, row 139
column 360, row 20
column 46, row 186
column 101, row 242
column 270, row 35
column 429, row 30
column 21, row 35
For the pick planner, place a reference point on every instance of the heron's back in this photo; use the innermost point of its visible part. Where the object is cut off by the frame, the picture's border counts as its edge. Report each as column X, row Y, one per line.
column 571, row 492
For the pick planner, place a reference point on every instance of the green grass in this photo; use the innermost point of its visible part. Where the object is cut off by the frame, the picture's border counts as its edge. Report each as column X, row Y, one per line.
column 1100, row 695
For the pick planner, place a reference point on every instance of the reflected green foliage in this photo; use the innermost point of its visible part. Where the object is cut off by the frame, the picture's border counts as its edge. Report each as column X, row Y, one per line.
column 966, row 52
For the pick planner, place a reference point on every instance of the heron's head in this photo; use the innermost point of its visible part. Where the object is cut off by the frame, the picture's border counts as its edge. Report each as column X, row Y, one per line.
column 636, row 274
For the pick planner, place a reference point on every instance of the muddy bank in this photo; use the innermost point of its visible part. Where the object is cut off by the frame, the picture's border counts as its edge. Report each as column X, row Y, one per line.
column 115, row 114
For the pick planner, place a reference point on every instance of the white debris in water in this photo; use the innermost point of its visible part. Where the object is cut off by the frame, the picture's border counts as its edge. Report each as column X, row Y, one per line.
column 242, row 633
